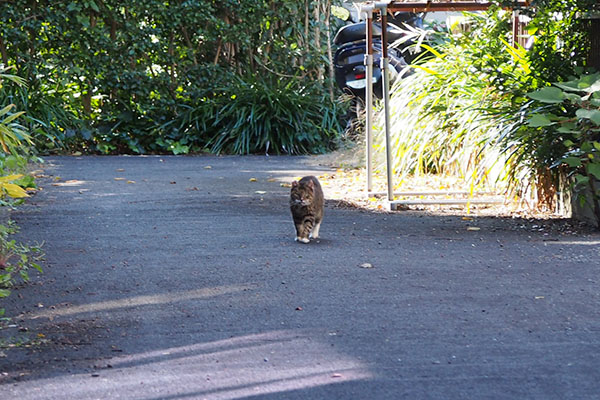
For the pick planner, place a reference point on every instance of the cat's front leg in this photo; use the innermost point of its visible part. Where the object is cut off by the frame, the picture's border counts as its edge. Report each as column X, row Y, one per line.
column 304, row 229
column 315, row 231
column 301, row 233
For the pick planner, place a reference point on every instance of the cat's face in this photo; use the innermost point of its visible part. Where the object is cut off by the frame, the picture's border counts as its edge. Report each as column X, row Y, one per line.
column 302, row 193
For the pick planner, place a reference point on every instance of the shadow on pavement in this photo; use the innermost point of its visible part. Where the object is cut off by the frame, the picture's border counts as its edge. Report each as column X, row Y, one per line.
column 186, row 283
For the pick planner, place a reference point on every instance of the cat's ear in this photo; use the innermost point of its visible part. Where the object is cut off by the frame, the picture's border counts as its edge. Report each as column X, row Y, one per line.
column 311, row 184
column 295, row 184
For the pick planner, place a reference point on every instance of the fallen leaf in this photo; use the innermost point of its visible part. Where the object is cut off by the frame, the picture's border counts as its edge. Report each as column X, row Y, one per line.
column 298, row 308
column 539, row 297
column 71, row 182
column 473, row 228
column 253, row 180
column 120, row 170
column 260, row 192
column 119, row 179
column 208, row 167
column 130, row 181
column 336, row 375
column 366, row 265
column 271, row 180
column 41, row 335
column 467, row 219
column 287, row 185
column 173, row 182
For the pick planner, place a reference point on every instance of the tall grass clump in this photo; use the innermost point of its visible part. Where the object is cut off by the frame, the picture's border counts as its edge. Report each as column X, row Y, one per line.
column 446, row 114
column 253, row 114
column 463, row 109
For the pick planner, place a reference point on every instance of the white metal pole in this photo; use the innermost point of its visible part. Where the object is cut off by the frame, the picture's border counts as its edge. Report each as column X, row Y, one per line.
column 369, row 100
column 385, row 65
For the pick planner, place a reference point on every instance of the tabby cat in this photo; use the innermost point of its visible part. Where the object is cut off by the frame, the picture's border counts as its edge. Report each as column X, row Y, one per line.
column 306, row 203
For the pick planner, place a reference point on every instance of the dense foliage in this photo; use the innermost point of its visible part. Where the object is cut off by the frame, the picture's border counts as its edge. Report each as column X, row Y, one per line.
column 572, row 117
column 16, row 258
column 464, row 109
column 152, row 76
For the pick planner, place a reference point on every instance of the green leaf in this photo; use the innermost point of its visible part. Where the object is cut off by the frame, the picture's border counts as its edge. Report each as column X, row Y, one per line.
column 12, row 117
column 571, row 86
column 551, row 95
column 94, row 6
column 73, row 7
column 539, row 120
column 594, row 85
column 572, row 161
column 566, row 129
column 575, row 98
column 593, row 169
column 587, row 146
column 581, row 179
column 6, row 109
column 593, row 115
column 4, row 293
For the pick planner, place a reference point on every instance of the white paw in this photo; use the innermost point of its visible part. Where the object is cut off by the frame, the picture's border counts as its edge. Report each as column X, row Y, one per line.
column 302, row 240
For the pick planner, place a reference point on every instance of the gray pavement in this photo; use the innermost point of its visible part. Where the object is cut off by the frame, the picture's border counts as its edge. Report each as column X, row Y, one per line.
column 178, row 278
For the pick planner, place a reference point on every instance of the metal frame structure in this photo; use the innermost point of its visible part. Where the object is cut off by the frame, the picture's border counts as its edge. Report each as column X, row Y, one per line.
column 368, row 10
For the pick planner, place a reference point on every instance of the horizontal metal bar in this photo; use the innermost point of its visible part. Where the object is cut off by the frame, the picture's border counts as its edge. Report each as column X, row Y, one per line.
column 423, row 6
column 433, row 193
column 447, row 201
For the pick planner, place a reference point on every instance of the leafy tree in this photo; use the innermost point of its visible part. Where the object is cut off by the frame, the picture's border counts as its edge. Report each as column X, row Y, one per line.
column 118, row 76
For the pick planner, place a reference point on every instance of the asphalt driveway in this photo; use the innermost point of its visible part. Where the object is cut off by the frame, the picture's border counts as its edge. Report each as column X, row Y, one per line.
column 178, row 278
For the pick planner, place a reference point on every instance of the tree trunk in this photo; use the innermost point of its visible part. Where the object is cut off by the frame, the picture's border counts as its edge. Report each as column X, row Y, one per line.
column 317, row 16
column 594, row 198
column 188, row 42
column 329, row 49
column 113, row 29
column 86, row 99
column 217, row 55
column 306, row 38
column 3, row 52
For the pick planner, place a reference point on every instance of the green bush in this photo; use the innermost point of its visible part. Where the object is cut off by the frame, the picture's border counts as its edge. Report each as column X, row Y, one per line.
column 15, row 152
column 116, row 76
column 16, row 259
column 268, row 115
column 571, row 116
